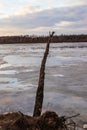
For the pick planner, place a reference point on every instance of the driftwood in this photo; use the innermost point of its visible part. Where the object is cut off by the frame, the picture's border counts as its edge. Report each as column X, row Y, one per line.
column 40, row 89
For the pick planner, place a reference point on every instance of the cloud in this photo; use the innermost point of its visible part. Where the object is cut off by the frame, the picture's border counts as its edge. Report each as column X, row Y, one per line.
column 1, row 14
column 64, row 24
column 82, row 2
column 65, row 19
column 28, row 9
column 74, row 3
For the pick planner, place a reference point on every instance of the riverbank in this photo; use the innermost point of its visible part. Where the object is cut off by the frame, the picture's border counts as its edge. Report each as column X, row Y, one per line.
column 47, row 121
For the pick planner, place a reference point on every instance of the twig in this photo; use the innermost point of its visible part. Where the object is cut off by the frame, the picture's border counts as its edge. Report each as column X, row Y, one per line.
column 72, row 116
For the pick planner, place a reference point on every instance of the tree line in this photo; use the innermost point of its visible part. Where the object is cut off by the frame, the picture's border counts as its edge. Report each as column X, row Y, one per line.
column 42, row 39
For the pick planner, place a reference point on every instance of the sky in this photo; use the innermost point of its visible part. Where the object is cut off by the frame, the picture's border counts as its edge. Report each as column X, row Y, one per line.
column 28, row 17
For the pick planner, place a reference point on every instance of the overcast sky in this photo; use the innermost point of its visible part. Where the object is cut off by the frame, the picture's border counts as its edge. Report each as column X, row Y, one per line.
column 41, row 16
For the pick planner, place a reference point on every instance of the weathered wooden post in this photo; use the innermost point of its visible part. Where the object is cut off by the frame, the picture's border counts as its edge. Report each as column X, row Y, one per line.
column 40, row 89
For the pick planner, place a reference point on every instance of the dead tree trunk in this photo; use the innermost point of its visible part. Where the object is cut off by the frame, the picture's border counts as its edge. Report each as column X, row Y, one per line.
column 40, row 89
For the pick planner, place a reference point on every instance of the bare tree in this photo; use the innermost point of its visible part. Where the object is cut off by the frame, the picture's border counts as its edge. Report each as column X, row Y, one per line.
column 40, row 89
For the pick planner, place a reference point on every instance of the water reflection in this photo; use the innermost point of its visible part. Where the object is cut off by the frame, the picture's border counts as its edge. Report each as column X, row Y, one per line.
column 7, row 71
column 65, row 83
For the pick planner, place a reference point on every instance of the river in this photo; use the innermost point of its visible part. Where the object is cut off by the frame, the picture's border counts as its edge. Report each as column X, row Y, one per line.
column 65, row 82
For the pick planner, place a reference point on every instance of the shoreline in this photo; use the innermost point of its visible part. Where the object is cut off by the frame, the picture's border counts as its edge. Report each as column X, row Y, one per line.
column 43, row 42
column 42, row 39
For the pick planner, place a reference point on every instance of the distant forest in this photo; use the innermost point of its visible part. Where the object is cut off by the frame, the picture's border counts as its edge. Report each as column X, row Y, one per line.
column 42, row 39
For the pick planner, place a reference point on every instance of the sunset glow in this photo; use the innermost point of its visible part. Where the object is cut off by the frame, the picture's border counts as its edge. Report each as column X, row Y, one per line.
column 38, row 17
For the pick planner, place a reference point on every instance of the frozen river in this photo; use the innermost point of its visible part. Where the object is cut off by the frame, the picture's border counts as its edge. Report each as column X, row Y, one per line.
column 65, row 83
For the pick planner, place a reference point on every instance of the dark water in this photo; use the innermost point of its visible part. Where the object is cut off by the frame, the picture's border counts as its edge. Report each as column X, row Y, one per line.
column 65, row 83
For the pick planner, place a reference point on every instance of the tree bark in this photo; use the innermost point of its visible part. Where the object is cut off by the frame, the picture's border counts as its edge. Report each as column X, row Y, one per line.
column 40, row 89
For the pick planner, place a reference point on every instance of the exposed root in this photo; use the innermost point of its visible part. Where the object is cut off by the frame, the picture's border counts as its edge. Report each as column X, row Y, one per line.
column 47, row 121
